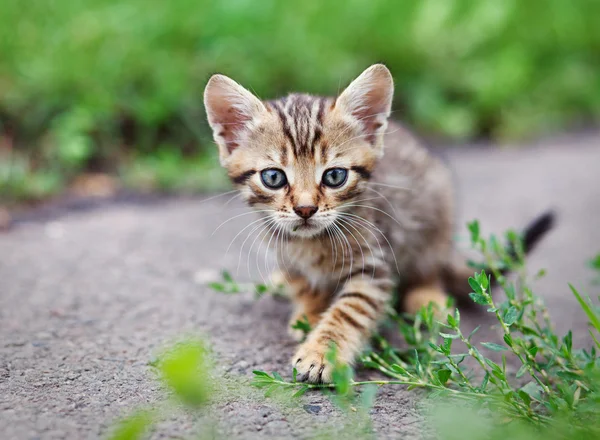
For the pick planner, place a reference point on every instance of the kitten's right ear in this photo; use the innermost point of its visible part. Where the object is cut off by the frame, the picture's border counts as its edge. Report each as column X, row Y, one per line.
column 230, row 109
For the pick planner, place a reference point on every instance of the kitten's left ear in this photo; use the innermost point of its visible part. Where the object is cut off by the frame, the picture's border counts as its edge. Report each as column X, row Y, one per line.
column 368, row 100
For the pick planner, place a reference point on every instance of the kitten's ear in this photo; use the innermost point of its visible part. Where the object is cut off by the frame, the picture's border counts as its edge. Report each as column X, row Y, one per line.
column 368, row 99
column 230, row 109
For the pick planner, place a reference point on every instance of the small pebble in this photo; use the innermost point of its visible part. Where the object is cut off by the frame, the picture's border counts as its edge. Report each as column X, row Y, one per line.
column 312, row 409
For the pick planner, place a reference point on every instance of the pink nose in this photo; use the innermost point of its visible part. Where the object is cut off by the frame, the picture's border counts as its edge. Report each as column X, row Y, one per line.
column 305, row 211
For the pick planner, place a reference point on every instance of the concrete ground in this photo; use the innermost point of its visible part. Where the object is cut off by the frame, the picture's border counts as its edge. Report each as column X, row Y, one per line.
column 87, row 297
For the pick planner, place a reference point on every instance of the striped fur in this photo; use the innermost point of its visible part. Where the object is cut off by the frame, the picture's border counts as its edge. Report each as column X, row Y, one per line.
column 390, row 223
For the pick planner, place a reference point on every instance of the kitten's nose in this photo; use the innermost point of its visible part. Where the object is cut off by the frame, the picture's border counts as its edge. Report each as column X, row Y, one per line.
column 305, row 211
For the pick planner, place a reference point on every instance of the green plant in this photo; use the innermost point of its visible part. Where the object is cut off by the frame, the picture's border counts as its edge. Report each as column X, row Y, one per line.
column 184, row 370
column 555, row 384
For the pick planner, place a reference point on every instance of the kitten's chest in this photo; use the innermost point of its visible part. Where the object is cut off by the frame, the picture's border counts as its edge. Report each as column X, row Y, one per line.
column 312, row 259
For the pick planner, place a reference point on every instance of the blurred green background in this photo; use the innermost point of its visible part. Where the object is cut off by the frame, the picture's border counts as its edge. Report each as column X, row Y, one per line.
column 115, row 86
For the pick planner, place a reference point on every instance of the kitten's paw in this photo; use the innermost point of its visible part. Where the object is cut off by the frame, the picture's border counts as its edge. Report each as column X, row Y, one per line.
column 311, row 364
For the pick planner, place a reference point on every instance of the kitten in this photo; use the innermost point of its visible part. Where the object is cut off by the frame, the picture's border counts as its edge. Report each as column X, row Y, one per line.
column 356, row 222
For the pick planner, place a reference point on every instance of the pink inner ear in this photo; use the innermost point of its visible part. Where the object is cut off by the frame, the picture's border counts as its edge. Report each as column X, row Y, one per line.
column 232, row 122
column 371, row 117
column 230, row 108
column 368, row 99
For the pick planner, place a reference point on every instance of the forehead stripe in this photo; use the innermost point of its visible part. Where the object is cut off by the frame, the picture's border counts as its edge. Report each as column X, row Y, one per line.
column 284, row 124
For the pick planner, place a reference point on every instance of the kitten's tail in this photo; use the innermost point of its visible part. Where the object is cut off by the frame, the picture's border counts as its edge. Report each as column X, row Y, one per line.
column 456, row 274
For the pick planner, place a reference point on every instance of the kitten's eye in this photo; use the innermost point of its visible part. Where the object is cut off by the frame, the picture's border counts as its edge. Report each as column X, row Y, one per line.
column 335, row 177
column 273, row 178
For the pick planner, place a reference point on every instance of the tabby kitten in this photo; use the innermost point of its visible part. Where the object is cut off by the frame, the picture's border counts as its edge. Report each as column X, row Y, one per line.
column 356, row 225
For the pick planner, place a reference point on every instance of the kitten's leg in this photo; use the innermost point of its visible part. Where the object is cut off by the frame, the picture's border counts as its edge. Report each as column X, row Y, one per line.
column 348, row 323
column 309, row 302
column 422, row 294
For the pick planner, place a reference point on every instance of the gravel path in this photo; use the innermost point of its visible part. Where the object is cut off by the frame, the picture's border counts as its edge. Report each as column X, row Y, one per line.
column 87, row 298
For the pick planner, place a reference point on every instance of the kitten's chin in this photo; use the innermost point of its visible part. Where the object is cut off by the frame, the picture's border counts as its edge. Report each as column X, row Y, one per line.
column 306, row 230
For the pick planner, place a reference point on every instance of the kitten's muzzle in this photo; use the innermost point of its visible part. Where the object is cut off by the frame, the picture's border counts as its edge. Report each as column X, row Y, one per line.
column 306, row 212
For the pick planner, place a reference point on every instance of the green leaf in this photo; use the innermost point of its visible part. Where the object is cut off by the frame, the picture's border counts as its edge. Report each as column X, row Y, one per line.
column 484, row 281
column 525, row 397
column 568, row 341
column 227, row 276
column 447, row 346
column 591, row 314
column 478, row 298
column 533, row 390
column 301, row 391
column 261, row 374
column 508, row 339
column 133, row 427
column 484, row 382
column 448, row 336
column 436, row 348
column 474, row 230
column 521, row 371
column 510, row 316
column 184, row 371
column 494, row 347
column 473, row 332
column 294, row 374
column 400, row 370
column 277, row 376
column 303, row 325
column 451, row 321
column 260, row 289
column 418, row 366
column 217, row 287
column 444, row 375
column 272, row 388
column 475, row 286
column 594, row 263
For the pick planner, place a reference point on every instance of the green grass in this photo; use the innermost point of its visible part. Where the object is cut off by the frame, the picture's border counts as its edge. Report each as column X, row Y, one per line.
column 100, row 84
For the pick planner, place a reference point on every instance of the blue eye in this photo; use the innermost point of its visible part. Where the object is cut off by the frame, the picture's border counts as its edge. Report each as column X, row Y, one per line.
column 273, row 178
column 335, row 177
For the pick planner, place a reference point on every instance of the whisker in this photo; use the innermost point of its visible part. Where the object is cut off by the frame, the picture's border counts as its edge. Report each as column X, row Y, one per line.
column 354, row 221
column 376, row 209
column 389, row 186
column 359, row 247
column 350, row 254
column 349, row 223
column 238, row 234
column 263, row 225
column 233, row 198
column 268, row 247
column 269, row 231
column 385, row 198
column 218, row 195
column 240, row 215
column 382, row 234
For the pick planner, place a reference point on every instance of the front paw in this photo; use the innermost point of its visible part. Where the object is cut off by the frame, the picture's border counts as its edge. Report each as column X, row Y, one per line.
column 311, row 364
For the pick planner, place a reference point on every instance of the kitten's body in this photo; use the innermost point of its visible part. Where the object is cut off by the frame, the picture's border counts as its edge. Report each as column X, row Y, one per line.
column 348, row 245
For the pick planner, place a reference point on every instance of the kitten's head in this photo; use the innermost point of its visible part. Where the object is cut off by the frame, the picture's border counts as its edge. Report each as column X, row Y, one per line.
column 301, row 159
